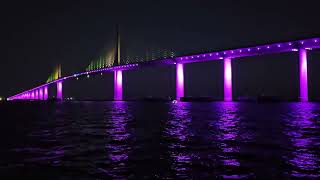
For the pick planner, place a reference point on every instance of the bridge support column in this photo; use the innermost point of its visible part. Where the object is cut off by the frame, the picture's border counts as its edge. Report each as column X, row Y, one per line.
column 41, row 94
column 32, row 95
column 227, row 79
column 117, row 85
column 45, row 93
column 303, row 74
column 179, row 81
column 59, row 90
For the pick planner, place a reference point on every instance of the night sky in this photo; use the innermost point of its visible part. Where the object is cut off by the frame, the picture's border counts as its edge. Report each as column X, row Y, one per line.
column 38, row 35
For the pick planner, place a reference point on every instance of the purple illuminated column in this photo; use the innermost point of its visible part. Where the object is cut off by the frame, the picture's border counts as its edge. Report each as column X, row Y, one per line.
column 37, row 94
column 303, row 71
column 118, row 85
column 32, row 95
column 41, row 94
column 179, row 81
column 59, row 90
column 227, row 80
column 45, row 93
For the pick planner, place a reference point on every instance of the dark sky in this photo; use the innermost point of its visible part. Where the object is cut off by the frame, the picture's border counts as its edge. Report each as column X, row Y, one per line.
column 37, row 35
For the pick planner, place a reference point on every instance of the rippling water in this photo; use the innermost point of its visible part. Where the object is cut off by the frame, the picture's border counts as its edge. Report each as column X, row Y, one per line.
column 148, row 140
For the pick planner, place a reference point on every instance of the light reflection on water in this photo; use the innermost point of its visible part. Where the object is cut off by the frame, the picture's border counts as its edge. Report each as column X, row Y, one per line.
column 229, row 137
column 206, row 140
column 228, row 129
column 301, row 127
column 178, row 131
column 117, row 148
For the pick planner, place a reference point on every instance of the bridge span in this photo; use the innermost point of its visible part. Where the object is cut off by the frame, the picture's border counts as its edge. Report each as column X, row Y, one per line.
column 229, row 55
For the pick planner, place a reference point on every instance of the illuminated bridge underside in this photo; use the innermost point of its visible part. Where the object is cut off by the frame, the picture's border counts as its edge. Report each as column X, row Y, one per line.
column 226, row 55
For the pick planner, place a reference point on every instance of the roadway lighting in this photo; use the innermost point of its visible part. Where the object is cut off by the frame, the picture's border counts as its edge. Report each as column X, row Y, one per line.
column 1, row 99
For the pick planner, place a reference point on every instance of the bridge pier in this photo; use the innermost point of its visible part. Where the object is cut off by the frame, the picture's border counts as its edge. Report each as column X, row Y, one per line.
column 227, row 79
column 59, row 90
column 45, row 93
column 32, row 95
column 117, row 93
column 303, row 74
column 179, row 81
column 41, row 94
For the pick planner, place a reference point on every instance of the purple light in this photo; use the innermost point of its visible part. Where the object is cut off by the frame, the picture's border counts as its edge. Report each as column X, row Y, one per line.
column 59, row 90
column 37, row 94
column 308, row 44
column 179, row 81
column 118, row 85
column 45, row 95
column 227, row 79
column 41, row 94
column 303, row 70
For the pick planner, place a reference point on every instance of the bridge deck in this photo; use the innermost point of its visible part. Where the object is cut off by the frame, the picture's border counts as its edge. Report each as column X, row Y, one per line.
column 281, row 47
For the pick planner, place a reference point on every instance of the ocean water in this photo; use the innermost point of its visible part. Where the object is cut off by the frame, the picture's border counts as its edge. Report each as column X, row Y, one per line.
column 159, row 140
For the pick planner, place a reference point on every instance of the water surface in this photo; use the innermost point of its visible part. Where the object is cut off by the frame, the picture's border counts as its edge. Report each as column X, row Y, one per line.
column 156, row 140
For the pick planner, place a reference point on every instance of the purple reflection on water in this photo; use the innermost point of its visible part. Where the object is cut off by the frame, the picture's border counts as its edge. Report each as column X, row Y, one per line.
column 118, row 148
column 226, row 131
column 178, row 134
column 301, row 126
column 228, row 128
